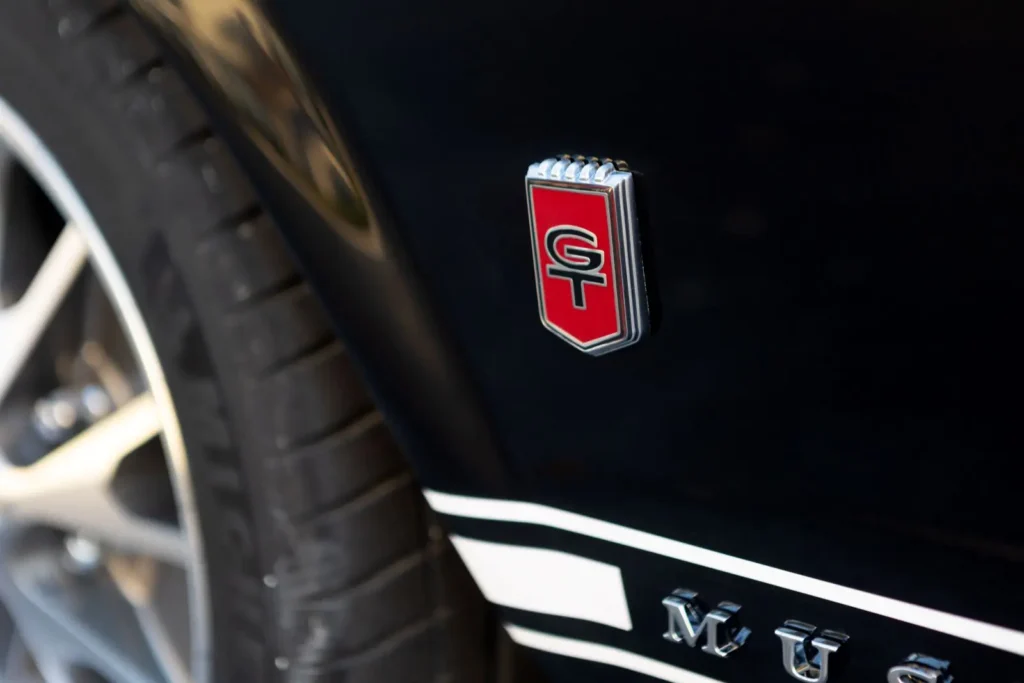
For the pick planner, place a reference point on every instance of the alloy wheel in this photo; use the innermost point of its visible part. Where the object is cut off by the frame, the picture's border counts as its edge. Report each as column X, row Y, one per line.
column 102, row 576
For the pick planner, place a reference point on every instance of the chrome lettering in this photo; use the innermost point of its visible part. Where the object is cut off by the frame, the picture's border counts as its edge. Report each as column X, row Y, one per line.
column 797, row 640
column 918, row 668
column 688, row 619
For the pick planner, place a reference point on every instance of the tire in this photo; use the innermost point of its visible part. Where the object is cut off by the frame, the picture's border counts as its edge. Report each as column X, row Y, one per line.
column 323, row 562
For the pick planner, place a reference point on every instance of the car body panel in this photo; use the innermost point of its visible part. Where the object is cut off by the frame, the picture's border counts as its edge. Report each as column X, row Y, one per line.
column 828, row 198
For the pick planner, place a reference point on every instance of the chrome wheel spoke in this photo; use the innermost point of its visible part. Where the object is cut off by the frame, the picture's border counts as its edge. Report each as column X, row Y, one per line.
column 6, row 166
column 70, row 488
column 159, row 595
column 70, row 623
column 23, row 323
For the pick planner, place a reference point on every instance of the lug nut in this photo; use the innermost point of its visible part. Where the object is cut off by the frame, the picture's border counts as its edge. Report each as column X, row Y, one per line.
column 58, row 415
column 96, row 402
column 82, row 555
column 55, row 416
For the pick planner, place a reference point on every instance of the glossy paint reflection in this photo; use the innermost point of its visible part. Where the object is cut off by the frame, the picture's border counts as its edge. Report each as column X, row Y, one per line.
column 279, row 128
column 246, row 60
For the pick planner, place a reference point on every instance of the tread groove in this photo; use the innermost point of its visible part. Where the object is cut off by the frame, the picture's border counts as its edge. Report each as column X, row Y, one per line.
column 354, row 430
column 193, row 139
column 258, row 298
column 389, row 643
column 360, row 500
column 328, row 432
column 378, row 579
column 101, row 19
column 138, row 73
column 332, row 348
column 232, row 221
column 246, row 215
column 312, row 349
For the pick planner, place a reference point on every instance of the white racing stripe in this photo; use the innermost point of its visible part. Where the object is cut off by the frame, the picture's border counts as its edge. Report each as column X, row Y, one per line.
column 603, row 654
column 547, row 581
column 991, row 635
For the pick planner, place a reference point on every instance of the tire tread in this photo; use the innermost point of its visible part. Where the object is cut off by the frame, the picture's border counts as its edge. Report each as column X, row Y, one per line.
column 334, row 477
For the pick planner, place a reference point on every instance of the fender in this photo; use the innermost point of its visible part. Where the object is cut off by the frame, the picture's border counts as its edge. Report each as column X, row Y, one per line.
column 818, row 427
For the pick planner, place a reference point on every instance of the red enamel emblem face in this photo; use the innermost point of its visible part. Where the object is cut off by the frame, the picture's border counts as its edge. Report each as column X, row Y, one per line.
column 590, row 288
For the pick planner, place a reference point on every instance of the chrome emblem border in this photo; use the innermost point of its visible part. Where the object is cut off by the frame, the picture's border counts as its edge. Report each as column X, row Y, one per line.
column 588, row 174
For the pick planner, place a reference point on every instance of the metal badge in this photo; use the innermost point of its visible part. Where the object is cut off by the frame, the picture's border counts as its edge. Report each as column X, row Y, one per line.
column 809, row 654
column 919, row 668
column 688, row 619
column 798, row 641
column 586, row 253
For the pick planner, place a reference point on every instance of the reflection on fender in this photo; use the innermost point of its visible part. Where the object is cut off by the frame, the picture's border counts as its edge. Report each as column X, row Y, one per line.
column 245, row 59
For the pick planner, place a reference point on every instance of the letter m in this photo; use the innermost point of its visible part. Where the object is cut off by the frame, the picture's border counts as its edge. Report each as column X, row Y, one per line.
column 686, row 617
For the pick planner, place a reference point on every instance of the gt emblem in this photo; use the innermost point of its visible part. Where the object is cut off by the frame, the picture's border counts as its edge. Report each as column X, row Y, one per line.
column 586, row 253
column 576, row 264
